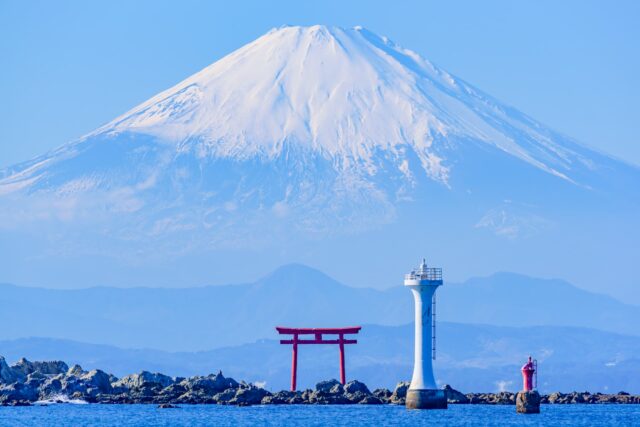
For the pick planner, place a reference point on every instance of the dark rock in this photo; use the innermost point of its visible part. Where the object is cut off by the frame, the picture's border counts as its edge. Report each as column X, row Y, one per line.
column 249, row 396
column 400, row 393
column 454, row 396
column 383, row 394
column 326, row 386
column 210, row 384
column 98, row 381
column 285, row 396
column 37, row 376
column 7, row 374
column 337, row 389
column 474, row 398
column 90, row 396
column 608, row 399
column 75, row 370
column 316, row 397
column 357, row 397
column 174, row 391
column 18, row 392
column 71, row 385
column 47, row 368
column 306, row 395
column 209, row 389
column 342, row 399
column 556, row 397
column 144, row 379
column 528, row 402
column 51, row 386
column 577, row 398
column 225, row 396
column 321, row 398
column 167, row 406
column 370, row 400
column 504, row 398
column 355, row 387
column 109, row 398
column 280, row 398
column 31, row 390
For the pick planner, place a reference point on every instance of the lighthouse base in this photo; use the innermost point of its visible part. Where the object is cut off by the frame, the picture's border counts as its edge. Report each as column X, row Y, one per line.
column 528, row 402
column 426, row 399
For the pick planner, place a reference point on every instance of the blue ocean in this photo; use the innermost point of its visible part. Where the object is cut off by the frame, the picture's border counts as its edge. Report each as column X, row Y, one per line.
column 312, row 415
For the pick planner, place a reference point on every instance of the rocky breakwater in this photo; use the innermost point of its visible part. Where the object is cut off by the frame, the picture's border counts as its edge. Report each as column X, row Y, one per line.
column 592, row 398
column 25, row 382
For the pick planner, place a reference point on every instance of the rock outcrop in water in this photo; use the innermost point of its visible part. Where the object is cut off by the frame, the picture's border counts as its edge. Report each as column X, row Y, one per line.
column 26, row 382
column 528, row 402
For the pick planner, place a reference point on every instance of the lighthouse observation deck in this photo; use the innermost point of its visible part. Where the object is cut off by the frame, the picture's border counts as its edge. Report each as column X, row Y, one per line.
column 426, row 274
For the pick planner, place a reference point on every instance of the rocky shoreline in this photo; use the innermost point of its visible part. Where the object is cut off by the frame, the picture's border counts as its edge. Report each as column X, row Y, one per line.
column 26, row 383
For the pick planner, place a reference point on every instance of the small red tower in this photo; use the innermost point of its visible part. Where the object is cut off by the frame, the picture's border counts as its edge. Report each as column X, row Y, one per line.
column 528, row 375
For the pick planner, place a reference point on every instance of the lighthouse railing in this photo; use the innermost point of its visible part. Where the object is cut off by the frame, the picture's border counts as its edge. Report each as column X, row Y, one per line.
column 426, row 274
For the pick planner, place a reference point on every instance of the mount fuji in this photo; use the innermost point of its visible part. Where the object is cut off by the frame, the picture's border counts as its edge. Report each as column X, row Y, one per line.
column 322, row 145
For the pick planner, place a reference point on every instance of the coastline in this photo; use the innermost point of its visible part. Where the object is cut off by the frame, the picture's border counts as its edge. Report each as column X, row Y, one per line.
column 39, row 383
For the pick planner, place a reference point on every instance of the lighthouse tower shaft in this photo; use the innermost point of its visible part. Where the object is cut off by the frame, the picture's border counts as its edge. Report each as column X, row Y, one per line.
column 422, row 365
column 423, row 392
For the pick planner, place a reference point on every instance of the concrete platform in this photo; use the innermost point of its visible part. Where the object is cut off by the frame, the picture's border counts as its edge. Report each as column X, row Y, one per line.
column 528, row 402
column 426, row 399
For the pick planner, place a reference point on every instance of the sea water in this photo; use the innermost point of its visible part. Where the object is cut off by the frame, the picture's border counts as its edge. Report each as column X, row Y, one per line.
column 315, row 415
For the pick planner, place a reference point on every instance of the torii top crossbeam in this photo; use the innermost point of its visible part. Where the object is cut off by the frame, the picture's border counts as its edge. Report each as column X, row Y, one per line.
column 317, row 334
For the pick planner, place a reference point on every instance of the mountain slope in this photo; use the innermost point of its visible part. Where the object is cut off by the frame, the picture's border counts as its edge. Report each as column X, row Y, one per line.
column 298, row 105
column 210, row 317
column 310, row 133
column 343, row 94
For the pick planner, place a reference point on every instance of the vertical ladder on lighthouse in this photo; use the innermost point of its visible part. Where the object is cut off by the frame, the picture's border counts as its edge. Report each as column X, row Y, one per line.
column 433, row 327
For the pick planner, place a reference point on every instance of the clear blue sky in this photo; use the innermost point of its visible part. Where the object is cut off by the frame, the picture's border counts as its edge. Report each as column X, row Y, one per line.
column 69, row 66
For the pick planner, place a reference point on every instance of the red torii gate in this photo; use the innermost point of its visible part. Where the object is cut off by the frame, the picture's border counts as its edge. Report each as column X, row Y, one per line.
column 317, row 339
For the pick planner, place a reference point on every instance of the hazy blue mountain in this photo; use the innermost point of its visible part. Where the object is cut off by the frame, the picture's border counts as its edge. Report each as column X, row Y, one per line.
column 210, row 317
column 470, row 357
column 318, row 143
column 516, row 300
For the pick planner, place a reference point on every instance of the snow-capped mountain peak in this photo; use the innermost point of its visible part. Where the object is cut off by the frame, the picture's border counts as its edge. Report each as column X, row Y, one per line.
column 343, row 93
column 325, row 127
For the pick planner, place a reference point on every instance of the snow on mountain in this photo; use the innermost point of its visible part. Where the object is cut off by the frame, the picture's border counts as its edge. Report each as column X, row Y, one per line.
column 305, row 131
column 344, row 94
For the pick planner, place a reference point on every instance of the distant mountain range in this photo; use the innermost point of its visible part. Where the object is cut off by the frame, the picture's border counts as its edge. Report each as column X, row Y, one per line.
column 205, row 318
column 318, row 143
column 472, row 358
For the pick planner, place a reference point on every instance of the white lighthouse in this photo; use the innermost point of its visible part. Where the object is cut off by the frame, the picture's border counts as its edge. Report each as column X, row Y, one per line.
column 423, row 392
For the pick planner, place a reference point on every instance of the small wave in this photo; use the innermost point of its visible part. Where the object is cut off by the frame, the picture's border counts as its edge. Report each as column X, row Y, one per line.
column 60, row 398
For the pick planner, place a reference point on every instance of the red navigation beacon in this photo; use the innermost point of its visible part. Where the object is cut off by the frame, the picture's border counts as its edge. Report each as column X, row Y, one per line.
column 317, row 338
column 528, row 371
